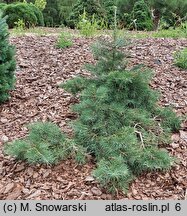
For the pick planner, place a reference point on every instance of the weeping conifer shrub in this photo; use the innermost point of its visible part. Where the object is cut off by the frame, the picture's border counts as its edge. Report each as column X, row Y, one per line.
column 45, row 144
column 119, row 121
column 7, row 62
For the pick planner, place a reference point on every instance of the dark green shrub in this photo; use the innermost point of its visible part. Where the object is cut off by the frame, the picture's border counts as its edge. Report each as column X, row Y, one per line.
column 38, row 14
column 119, row 120
column 45, row 144
column 52, row 14
column 92, row 7
column 108, row 5
column 2, row 6
column 23, row 11
column 125, row 6
column 65, row 8
column 141, row 17
column 126, row 19
column 7, row 62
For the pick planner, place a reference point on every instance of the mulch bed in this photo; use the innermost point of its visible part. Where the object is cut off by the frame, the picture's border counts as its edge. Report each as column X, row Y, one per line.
column 37, row 97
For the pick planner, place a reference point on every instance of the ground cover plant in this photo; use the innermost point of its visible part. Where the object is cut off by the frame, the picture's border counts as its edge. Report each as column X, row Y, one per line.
column 64, row 40
column 181, row 58
column 7, row 62
column 170, row 33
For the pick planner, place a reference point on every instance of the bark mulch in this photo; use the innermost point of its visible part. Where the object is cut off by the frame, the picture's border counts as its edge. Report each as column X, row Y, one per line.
column 37, row 97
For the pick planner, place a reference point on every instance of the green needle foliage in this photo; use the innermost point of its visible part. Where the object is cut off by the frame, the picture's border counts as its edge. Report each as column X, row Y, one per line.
column 119, row 120
column 7, row 62
column 45, row 144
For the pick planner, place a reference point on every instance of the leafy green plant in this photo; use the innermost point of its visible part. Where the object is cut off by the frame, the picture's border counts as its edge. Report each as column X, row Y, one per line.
column 64, row 40
column 87, row 28
column 7, row 62
column 19, row 25
column 45, row 144
column 181, row 58
column 119, row 121
column 184, row 26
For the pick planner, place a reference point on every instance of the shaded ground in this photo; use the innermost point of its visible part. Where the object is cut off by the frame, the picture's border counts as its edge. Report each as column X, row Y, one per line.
column 40, row 69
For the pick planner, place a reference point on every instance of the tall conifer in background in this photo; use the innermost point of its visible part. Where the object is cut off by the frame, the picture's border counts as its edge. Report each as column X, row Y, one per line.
column 7, row 62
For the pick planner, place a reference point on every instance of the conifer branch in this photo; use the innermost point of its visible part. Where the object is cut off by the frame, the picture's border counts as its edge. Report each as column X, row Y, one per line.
column 140, row 135
column 45, row 159
column 141, row 138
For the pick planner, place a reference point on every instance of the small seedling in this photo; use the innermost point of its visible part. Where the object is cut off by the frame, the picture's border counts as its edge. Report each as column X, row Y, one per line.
column 86, row 27
column 64, row 40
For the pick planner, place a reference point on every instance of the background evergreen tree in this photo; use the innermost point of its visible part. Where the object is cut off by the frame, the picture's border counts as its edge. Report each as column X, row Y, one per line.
column 56, row 12
column 92, row 7
column 141, row 17
column 7, row 62
column 2, row 5
column 51, row 13
column 108, row 5
column 65, row 8
column 119, row 121
column 124, row 9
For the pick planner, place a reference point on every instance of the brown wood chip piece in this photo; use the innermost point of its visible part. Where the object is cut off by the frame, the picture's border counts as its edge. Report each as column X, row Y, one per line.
column 9, row 187
column 96, row 191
